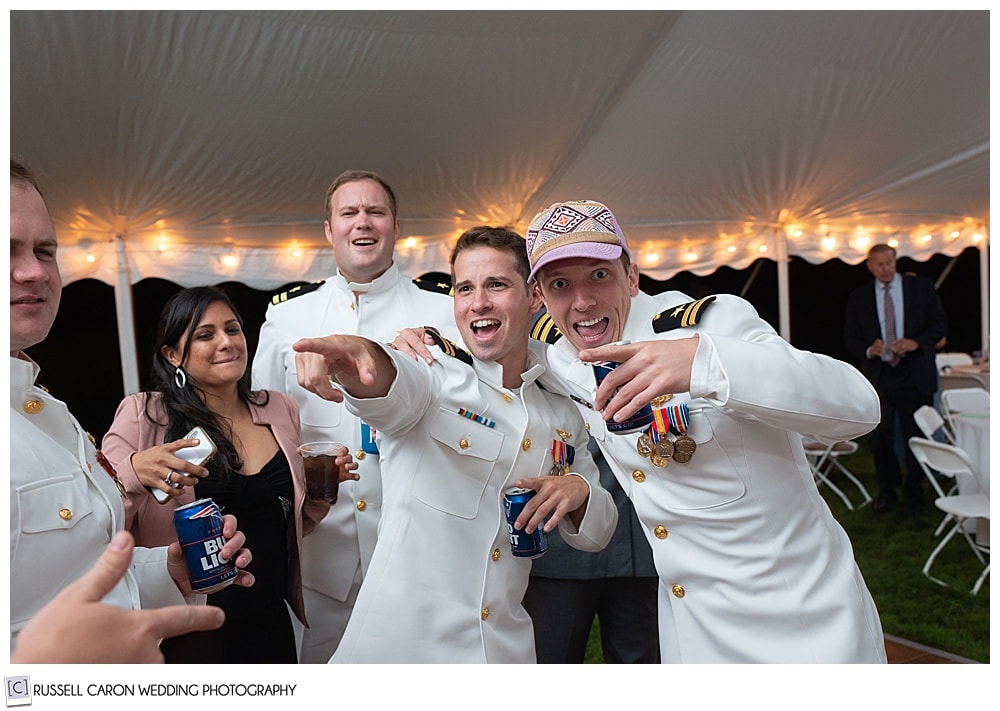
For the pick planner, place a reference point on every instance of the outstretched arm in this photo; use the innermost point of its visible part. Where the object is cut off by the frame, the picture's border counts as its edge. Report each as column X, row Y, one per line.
column 358, row 365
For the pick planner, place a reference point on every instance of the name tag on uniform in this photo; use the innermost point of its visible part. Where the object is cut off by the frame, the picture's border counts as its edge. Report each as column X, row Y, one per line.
column 368, row 439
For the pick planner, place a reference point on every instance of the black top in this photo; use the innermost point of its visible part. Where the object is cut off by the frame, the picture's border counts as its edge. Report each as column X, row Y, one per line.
column 258, row 628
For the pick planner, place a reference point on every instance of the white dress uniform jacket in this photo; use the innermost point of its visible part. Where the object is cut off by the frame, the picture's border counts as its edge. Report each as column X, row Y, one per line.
column 443, row 585
column 753, row 567
column 345, row 538
column 64, row 509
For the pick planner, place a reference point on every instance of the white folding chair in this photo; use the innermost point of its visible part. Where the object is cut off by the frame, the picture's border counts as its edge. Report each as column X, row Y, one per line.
column 952, row 380
column 823, row 459
column 952, row 461
column 930, row 422
column 948, row 359
column 956, row 400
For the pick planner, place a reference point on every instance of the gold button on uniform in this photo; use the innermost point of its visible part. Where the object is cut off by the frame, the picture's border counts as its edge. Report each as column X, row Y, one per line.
column 486, row 612
column 362, row 505
column 495, row 555
column 677, row 590
column 360, row 454
column 463, row 443
column 660, row 532
column 526, row 444
column 506, row 397
column 586, row 426
column 65, row 514
column 33, row 407
column 639, row 475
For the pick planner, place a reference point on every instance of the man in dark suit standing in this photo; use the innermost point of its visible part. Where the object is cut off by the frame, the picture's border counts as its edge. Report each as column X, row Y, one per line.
column 892, row 326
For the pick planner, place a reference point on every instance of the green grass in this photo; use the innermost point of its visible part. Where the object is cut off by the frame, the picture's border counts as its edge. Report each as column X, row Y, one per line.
column 890, row 550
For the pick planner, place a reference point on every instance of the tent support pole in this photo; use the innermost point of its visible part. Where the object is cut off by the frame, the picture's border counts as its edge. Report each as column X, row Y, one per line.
column 784, row 317
column 984, row 291
column 945, row 272
column 125, row 314
column 753, row 277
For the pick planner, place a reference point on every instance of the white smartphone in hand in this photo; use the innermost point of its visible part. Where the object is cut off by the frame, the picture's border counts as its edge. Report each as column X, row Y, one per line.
column 198, row 454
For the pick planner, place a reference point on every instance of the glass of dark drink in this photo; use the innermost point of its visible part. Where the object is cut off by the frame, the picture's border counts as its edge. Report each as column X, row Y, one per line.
column 322, row 475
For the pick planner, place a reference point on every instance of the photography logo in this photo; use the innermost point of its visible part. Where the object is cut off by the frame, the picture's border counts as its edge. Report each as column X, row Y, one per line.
column 18, row 690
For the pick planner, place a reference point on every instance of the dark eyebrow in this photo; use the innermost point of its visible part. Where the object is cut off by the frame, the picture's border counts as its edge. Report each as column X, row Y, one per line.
column 47, row 242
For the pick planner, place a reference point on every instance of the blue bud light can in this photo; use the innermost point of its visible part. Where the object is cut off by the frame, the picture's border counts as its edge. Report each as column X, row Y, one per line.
column 522, row 545
column 640, row 420
column 199, row 531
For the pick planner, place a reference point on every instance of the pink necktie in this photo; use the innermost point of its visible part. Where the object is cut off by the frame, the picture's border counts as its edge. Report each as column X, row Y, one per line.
column 890, row 327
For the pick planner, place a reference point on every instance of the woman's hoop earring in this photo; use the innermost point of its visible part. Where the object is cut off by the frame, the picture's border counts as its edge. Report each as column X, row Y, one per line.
column 180, row 377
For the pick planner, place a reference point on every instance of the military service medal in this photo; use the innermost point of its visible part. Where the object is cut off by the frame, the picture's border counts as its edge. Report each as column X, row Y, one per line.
column 103, row 461
column 684, row 445
column 562, row 454
column 644, row 445
column 663, row 447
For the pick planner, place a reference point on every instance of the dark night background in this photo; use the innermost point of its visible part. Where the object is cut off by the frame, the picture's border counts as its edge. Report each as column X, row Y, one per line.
column 81, row 364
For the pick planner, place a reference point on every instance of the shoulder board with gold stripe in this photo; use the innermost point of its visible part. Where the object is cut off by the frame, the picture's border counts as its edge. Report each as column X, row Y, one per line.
column 545, row 329
column 447, row 346
column 296, row 291
column 435, row 286
column 683, row 316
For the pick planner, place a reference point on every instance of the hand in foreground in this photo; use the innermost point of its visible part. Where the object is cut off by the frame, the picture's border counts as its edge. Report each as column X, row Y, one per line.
column 75, row 627
column 346, row 466
column 356, row 364
column 155, row 465
column 232, row 549
column 648, row 369
column 413, row 342
column 559, row 495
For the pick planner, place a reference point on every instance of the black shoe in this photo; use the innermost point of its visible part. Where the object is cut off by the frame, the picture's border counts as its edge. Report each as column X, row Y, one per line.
column 884, row 502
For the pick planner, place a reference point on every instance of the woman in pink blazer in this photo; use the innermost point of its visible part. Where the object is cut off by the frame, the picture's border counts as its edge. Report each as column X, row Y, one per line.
column 201, row 378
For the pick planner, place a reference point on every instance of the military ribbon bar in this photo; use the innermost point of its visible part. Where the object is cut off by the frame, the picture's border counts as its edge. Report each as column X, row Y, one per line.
column 679, row 418
column 477, row 418
column 660, row 426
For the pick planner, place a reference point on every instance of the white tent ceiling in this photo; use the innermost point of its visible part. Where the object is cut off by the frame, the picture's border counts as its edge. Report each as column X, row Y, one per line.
column 206, row 140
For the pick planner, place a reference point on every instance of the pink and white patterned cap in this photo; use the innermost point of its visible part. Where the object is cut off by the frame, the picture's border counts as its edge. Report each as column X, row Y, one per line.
column 581, row 228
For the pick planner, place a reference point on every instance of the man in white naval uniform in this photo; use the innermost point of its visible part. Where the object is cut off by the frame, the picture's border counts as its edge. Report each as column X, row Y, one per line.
column 753, row 567
column 368, row 296
column 443, row 585
column 65, row 502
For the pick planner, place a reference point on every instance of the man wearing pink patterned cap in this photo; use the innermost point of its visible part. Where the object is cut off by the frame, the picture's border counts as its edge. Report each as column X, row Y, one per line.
column 702, row 424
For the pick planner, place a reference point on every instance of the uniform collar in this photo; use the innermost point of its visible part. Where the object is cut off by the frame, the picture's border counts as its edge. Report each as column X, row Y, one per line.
column 23, row 372
column 491, row 372
column 380, row 284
